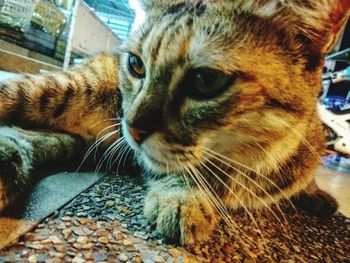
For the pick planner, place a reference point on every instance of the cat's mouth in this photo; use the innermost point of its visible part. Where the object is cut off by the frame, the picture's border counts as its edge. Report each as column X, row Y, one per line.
column 159, row 156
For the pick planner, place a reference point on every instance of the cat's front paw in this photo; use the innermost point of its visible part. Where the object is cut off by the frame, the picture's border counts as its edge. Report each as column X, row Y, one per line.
column 181, row 216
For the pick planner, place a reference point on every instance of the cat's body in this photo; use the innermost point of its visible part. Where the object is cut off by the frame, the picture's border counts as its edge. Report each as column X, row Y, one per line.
column 216, row 95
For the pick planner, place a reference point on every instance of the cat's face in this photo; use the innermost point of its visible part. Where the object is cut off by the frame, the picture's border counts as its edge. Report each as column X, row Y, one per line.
column 218, row 76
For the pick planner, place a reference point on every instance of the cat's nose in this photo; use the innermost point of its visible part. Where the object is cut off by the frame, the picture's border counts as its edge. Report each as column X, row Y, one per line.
column 137, row 134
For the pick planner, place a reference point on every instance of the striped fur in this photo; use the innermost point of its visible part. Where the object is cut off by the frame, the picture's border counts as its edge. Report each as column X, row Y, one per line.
column 78, row 101
column 82, row 102
column 250, row 145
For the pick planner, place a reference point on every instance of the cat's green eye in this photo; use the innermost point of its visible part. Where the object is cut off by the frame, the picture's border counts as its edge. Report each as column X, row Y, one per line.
column 207, row 83
column 136, row 66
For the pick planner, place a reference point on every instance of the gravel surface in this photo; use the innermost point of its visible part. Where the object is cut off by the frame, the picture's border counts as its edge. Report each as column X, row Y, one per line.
column 105, row 224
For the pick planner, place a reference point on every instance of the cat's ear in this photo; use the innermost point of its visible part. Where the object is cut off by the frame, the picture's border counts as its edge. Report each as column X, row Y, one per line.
column 317, row 21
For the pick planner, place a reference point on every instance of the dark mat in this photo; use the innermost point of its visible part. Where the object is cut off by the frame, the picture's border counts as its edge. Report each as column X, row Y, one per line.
column 105, row 224
column 51, row 193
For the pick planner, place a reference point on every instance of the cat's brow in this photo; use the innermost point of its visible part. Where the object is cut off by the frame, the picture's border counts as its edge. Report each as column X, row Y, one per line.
column 215, row 64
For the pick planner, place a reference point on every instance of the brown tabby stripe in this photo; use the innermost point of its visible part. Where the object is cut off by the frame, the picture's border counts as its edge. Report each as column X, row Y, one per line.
column 288, row 107
column 72, row 77
column 313, row 62
column 183, row 9
column 159, row 36
column 87, row 85
column 44, row 101
column 5, row 90
column 21, row 101
column 54, row 99
column 156, row 47
column 69, row 93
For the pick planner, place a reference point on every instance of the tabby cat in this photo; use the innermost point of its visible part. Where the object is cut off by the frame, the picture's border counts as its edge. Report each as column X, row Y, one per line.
column 217, row 100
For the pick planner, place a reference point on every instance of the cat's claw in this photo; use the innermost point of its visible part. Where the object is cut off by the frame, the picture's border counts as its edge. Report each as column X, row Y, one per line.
column 180, row 216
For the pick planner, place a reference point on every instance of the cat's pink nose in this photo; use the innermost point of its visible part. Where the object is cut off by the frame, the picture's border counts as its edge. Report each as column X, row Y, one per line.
column 137, row 134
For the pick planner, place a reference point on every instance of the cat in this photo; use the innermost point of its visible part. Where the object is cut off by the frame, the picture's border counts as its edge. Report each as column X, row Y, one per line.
column 216, row 99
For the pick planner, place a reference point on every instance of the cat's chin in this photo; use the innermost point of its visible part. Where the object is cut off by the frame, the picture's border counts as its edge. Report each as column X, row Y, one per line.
column 156, row 166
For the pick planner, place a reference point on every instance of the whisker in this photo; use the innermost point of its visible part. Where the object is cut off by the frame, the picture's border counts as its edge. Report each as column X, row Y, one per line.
column 231, row 192
column 185, row 180
column 126, row 156
column 216, row 201
column 105, row 120
column 205, row 189
column 93, row 146
column 108, row 152
column 306, row 142
column 268, row 155
column 271, row 157
column 100, row 140
column 113, row 152
column 125, row 146
column 108, row 127
column 238, row 199
column 249, row 169
column 103, row 138
column 120, row 149
column 103, row 130
column 245, row 187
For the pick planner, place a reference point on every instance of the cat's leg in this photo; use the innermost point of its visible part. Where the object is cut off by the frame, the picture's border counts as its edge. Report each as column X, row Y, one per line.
column 21, row 150
column 316, row 201
column 83, row 100
column 16, row 160
column 180, row 214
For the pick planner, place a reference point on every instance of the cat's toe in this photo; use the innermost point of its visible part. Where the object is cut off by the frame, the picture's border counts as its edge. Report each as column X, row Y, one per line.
column 180, row 217
column 319, row 203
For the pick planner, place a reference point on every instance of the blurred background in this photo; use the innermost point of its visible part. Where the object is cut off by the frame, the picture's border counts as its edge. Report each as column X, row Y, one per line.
column 50, row 34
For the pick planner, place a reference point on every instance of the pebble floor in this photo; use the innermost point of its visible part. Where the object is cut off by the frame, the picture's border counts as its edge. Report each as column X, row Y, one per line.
column 105, row 224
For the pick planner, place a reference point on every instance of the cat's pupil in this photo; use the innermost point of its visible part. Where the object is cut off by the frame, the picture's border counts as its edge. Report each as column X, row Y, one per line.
column 204, row 81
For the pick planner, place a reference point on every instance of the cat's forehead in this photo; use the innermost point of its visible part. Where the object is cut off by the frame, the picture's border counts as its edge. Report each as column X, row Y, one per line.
column 317, row 14
column 172, row 39
column 205, row 19
column 206, row 29
column 264, row 8
column 205, row 32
